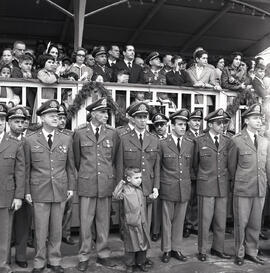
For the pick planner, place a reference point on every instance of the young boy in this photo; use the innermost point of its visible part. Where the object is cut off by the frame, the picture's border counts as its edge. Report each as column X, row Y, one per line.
column 25, row 68
column 258, row 83
column 136, row 237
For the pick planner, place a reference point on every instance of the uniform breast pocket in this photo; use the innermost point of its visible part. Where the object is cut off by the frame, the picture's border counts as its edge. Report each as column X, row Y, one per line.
column 151, row 152
column 130, row 154
column 36, row 154
column 86, row 146
column 107, row 145
column 205, row 159
column 246, row 159
column 9, row 159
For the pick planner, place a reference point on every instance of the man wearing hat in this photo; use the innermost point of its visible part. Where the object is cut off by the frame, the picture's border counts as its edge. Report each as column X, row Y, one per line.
column 160, row 122
column 176, row 158
column 226, row 131
column 100, row 67
column 191, row 220
column 211, row 169
column 67, row 217
column 136, row 71
column 50, row 179
column 154, row 74
column 12, row 183
column 95, row 156
column 139, row 149
column 249, row 167
column 23, row 217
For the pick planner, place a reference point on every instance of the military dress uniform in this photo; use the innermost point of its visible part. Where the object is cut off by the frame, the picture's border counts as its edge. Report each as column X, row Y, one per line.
column 249, row 167
column 50, row 174
column 191, row 220
column 175, row 187
column 211, row 168
column 94, row 160
column 145, row 156
column 12, row 185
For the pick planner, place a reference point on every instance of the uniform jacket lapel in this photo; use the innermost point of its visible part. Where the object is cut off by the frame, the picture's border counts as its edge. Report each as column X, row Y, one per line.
column 134, row 139
column 146, row 140
column 222, row 142
column 172, row 145
column 42, row 140
column 4, row 143
column 248, row 140
column 210, row 142
column 56, row 139
column 102, row 134
column 90, row 133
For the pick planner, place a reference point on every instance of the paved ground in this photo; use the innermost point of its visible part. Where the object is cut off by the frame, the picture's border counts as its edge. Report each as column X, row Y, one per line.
column 213, row 265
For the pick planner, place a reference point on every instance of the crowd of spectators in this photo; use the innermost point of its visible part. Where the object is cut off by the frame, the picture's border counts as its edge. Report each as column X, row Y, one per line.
column 102, row 64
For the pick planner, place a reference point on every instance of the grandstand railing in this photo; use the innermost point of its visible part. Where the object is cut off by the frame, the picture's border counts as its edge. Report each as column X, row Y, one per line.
column 192, row 98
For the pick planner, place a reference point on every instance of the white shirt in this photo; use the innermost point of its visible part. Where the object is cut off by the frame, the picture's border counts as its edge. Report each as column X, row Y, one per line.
column 131, row 126
column 251, row 135
column 194, row 132
column 95, row 127
column 175, row 139
column 111, row 62
column 1, row 136
column 126, row 62
column 46, row 134
column 199, row 70
column 213, row 137
column 140, row 133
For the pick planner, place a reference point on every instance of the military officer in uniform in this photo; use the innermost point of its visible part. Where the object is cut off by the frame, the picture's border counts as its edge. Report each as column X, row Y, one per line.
column 160, row 122
column 12, row 186
column 67, row 217
column 249, row 166
column 191, row 220
column 50, row 179
column 140, row 149
column 211, row 169
column 95, row 155
column 23, row 217
column 176, row 159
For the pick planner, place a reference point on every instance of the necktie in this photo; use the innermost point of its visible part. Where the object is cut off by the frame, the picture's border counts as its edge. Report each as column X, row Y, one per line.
column 97, row 133
column 216, row 141
column 178, row 144
column 50, row 140
column 129, row 65
column 255, row 141
column 196, row 133
column 141, row 139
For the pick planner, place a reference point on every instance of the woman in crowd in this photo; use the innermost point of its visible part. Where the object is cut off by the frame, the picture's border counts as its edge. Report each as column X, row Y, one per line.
column 234, row 75
column 84, row 72
column 6, row 58
column 219, row 64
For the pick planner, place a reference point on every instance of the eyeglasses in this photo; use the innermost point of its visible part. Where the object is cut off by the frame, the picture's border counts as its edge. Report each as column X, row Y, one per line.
column 80, row 55
column 219, row 122
column 159, row 124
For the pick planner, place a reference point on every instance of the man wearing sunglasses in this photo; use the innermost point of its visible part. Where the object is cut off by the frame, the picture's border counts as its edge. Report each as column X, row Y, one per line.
column 211, row 168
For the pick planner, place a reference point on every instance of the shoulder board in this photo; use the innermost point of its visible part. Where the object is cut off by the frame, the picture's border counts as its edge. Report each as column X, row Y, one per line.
column 82, row 126
column 188, row 139
column 30, row 133
column 109, row 127
column 10, row 137
column 67, row 132
column 226, row 136
column 201, row 135
column 237, row 135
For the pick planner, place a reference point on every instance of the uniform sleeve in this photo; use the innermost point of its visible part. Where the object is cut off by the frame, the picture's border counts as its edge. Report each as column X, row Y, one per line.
column 27, row 155
column 268, row 164
column 70, row 167
column 232, row 159
column 196, row 158
column 120, row 161
column 77, row 150
column 20, row 173
column 157, row 169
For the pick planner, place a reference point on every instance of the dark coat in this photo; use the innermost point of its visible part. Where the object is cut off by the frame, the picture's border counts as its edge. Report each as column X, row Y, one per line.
column 106, row 75
column 175, row 170
column 211, row 166
column 249, row 168
column 136, row 72
column 176, row 78
column 12, row 169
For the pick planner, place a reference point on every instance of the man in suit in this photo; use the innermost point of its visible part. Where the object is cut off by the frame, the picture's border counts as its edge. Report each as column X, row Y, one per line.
column 160, row 123
column 191, row 220
column 50, row 179
column 67, row 217
column 176, row 158
column 113, row 55
column 100, row 68
column 258, row 83
column 176, row 76
column 211, row 169
column 249, row 166
column 140, row 149
column 12, row 186
column 136, row 71
column 23, row 217
column 95, row 154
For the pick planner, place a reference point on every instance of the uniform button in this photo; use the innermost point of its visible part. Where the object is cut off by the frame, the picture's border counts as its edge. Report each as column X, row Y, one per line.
column 52, row 169
column 52, row 177
column 142, row 156
column 98, row 172
column 98, row 163
column 143, row 170
column 180, row 171
column 51, row 160
column 142, row 163
column 97, row 154
column 98, row 146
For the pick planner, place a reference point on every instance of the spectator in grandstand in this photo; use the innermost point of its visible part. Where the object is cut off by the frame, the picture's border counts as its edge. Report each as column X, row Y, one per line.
column 258, row 84
column 53, row 50
column 24, row 70
column 18, row 51
column 139, row 61
column 122, row 76
column 166, row 100
column 219, row 64
column 6, row 58
column 84, row 72
column 71, row 76
column 266, row 79
column 89, row 60
column 259, row 60
column 233, row 76
column 136, row 71
column 100, row 68
column 154, row 75
column 200, row 74
column 7, row 92
column 167, row 63
column 113, row 55
column 176, row 76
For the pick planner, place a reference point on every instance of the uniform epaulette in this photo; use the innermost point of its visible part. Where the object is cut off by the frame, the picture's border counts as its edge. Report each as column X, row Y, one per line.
column 30, row 133
column 201, row 135
column 237, row 135
column 109, row 127
column 82, row 126
column 152, row 134
column 188, row 139
column 10, row 137
column 225, row 136
column 67, row 132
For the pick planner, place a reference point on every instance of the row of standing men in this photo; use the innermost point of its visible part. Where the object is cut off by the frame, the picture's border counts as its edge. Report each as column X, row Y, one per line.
column 42, row 169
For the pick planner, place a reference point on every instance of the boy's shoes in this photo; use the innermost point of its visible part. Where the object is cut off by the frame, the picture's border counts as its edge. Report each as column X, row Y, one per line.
column 202, row 257
column 82, row 266
column 155, row 237
column 68, row 240
column 22, row 264
column 148, row 262
column 166, row 257
column 142, row 267
column 178, row 255
column 186, row 233
column 238, row 261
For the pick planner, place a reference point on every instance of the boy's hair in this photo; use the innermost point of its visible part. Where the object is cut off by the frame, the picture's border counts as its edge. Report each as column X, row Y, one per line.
column 123, row 72
column 260, row 66
column 129, row 172
column 25, row 57
column 5, row 66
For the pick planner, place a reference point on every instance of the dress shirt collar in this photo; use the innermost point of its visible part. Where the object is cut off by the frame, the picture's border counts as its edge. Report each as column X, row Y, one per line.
column 79, row 66
column 213, row 137
column 111, row 62
column 175, row 139
column 126, row 62
column 1, row 136
column 138, row 133
column 251, row 135
column 45, row 133
column 131, row 126
column 194, row 132
column 95, row 127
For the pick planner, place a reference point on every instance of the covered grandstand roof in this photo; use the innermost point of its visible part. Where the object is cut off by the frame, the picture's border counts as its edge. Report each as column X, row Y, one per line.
column 220, row 26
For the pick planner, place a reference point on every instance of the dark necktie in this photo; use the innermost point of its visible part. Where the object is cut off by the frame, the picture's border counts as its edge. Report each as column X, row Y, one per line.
column 216, row 141
column 50, row 140
column 178, row 144
column 196, row 134
column 255, row 141
column 141, row 139
column 129, row 65
column 97, row 133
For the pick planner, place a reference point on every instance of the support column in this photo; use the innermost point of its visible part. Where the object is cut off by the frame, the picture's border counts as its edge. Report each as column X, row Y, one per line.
column 79, row 12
